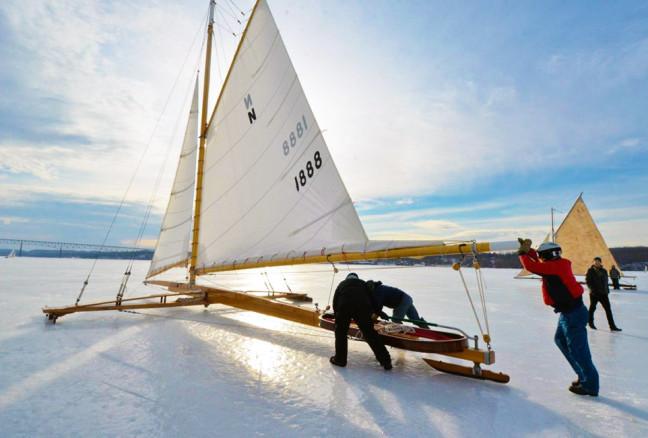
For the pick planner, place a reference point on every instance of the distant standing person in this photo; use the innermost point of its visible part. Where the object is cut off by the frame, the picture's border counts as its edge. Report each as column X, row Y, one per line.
column 615, row 275
column 396, row 299
column 561, row 291
column 597, row 282
column 351, row 301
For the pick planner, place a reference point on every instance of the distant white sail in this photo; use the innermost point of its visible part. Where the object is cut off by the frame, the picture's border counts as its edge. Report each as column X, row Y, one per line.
column 175, row 234
column 580, row 240
column 270, row 185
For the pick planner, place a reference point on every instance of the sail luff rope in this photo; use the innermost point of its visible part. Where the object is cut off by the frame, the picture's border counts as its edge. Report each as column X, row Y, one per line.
column 137, row 167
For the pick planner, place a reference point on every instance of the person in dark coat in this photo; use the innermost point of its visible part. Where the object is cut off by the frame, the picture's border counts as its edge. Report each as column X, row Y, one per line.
column 394, row 298
column 351, row 301
column 561, row 291
column 615, row 275
column 597, row 282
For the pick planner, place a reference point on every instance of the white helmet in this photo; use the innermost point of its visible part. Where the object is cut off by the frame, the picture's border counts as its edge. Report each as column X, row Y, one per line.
column 549, row 250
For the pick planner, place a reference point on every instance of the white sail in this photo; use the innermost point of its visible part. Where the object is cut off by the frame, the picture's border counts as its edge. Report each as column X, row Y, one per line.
column 580, row 240
column 270, row 184
column 173, row 245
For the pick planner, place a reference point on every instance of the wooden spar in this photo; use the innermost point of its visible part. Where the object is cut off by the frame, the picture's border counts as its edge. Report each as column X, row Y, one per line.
column 201, row 148
column 204, row 296
column 419, row 251
column 204, row 127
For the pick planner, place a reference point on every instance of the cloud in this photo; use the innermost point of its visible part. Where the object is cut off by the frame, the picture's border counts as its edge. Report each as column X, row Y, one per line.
column 89, row 81
column 627, row 145
column 8, row 220
column 405, row 201
column 145, row 242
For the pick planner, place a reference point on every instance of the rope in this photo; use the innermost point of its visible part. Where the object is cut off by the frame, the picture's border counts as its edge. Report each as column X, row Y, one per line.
column 137, row 167
column 335, row 271
column 481, row 287
column 285, row 281
column 267, row 283
column 156, row 186
column 457, row 267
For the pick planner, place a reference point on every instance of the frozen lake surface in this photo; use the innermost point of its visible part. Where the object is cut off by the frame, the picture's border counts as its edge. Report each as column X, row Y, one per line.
column 220, row 371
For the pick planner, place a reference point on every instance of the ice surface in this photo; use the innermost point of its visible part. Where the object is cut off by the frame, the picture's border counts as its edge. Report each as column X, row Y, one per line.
column 217, row 371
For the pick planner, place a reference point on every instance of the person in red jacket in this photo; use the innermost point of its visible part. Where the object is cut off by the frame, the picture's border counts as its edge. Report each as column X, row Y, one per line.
column 561, row 291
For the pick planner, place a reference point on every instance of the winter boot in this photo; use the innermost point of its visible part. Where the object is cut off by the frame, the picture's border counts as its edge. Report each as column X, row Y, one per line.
column 592, row 326
column 578, row 389
column 615, row 329
column 334, row 361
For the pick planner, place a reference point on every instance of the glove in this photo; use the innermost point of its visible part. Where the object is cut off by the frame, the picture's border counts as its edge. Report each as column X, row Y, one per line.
column 525, row 246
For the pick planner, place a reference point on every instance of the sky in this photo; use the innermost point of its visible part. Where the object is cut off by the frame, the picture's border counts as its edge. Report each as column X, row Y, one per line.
column 446, row 120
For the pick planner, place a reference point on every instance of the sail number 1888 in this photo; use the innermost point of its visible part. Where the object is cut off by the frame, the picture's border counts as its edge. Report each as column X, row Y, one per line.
column 305, row 174
column 291, row 141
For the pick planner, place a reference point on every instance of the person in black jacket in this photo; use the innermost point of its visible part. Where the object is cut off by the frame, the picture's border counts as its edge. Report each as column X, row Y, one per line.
column 615, row 275
column 394, row 298
column 597, row 282
column 351, row 300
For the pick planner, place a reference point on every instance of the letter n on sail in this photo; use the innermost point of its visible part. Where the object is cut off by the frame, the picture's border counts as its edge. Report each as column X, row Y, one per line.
column 250, row 108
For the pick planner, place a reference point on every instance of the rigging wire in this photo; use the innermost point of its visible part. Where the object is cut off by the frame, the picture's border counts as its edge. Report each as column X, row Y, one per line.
column 154, row 191
column 481, row 287
column 229, row 12
column 137, row 167
column 225, row 25
column 236, row 6
column 335, row 271
column 481, row 290
column 285, row 281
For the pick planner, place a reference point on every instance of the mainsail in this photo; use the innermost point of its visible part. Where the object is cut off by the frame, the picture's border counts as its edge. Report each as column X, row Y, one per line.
column 581, row 240
column 270, row 185
column 173, row 244
column 269, row 191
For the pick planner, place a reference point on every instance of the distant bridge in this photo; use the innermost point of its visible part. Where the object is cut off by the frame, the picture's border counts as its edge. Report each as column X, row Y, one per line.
column 19, row 244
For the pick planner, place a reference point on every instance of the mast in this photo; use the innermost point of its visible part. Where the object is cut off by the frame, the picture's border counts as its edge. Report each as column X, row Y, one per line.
column 201, row 148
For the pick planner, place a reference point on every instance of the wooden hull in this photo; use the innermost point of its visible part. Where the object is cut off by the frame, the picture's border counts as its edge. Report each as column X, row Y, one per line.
column 420, row 340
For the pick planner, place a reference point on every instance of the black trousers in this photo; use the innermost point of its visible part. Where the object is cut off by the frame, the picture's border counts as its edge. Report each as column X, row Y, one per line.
column 356, row 305
column 605, row 302
column 615, row 283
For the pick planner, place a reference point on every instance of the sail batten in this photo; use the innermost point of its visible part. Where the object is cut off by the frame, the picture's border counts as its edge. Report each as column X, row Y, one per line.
column 175, row 231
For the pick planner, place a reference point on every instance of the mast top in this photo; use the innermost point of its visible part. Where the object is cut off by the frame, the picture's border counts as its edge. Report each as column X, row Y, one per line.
column 212, row 4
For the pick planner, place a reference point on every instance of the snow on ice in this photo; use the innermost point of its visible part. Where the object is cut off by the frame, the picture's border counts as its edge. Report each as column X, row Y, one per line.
column 220, row 371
